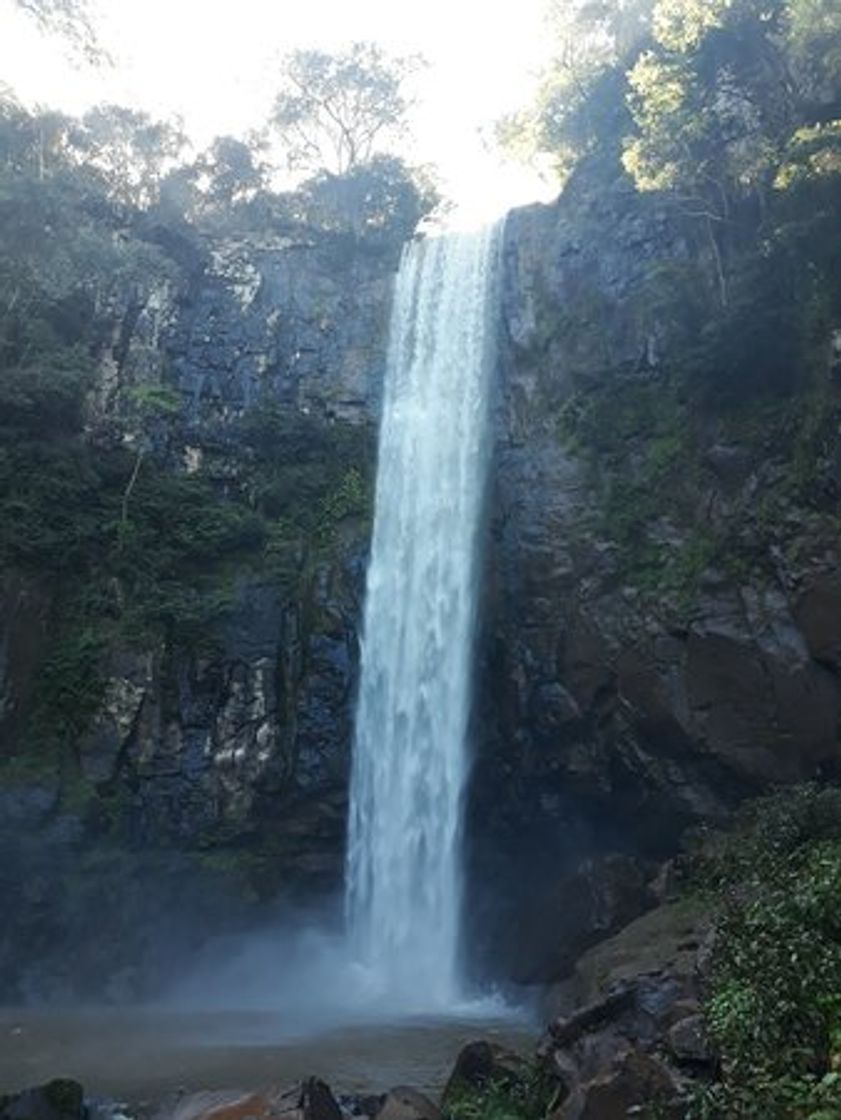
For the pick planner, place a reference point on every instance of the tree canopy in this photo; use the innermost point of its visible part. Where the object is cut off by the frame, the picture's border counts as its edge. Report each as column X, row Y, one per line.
column 700, row 96
column 334, row 112
column 72, row 21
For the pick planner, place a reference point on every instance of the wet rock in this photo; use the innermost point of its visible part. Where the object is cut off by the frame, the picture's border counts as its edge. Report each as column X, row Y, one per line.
column 480, row 1064
column 599, row 896
column 631, row 1031
column 310, row 1100
column 232, row 1105
column 24, row 632
column 406, row 1103
column 615, row 711
column 317, row 1102
column 635, row 1080
column 817, row 610
column 57, row 1100
column 662, row 948
column 129, row 678
column 361, row 1104
column 688, row 1042
column 587, row 1019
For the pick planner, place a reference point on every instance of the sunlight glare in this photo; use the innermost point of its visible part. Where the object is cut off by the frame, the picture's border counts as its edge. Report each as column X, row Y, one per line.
column 212, row 65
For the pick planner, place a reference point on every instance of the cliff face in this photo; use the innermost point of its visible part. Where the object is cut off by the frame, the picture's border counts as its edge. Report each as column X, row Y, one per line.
column 661, row 625
column 659, row 638
column 211, row 778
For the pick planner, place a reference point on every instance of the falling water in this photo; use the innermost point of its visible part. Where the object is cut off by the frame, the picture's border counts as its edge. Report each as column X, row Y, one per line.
column 410, row 765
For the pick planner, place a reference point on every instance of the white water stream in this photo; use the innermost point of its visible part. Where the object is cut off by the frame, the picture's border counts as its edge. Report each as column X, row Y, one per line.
column 410, row 754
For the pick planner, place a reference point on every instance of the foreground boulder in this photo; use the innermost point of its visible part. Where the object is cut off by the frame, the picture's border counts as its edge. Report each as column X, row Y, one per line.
column 311, row 1100
column 481, row 1065
column 634, row 1079
column 406, row 1103
column 57, row 1100
column 629, row 1032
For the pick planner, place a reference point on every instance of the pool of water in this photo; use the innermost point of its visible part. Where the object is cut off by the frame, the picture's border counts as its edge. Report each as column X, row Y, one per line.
column 141, row 1056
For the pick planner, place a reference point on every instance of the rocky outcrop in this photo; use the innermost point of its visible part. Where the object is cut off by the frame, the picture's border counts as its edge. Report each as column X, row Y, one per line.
column 300, row 319
column 631, row 1033
column 57, row 1100
column 312, row 1099
column 211, row 780
column 616, row 709
column 405, row 1103
column 611, row 711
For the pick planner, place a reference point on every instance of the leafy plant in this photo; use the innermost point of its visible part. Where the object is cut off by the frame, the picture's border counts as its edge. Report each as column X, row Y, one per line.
column 774, row 1006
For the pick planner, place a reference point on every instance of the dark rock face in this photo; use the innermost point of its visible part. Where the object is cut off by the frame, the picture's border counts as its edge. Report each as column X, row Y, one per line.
column 482, row 1065
column 605, row 724
column 57, row 1100
column 632, row 1033
column 211, row 781
column 312, row 1099
column 301, row 319
column 405, row 1103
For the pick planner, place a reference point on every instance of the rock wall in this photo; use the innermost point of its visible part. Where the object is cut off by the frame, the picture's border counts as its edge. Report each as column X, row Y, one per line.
column 211, row 784
column 212, row 780
column 612, row 716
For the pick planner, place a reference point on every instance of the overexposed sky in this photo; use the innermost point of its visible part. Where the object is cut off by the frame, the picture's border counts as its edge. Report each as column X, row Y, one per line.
column 212, row 62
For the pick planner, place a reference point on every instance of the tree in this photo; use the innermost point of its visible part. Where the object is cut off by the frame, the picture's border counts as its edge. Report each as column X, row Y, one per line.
column 813, row 34
column 335, row 111
column 71, row 20
column 148, row 407
column 712, row 109
column 129, row 150
column 230, row 172
column 32, row 144
column 381, row 197
column 577, row 107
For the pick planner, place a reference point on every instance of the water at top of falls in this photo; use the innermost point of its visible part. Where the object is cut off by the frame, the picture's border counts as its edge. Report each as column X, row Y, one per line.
column 410, row 758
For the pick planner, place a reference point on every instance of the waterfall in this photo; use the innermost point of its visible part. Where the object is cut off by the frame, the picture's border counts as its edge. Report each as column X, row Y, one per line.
column 410, row 760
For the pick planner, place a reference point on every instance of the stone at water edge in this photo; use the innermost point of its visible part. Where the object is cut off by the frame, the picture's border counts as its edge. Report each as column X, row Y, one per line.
column 406, row 1103
column 480, row 1064
column 309, row 1100
column 635, row 1080
column 61, row 1099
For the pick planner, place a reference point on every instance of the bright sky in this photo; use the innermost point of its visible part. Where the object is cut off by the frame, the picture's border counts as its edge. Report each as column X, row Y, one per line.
column 212, row 63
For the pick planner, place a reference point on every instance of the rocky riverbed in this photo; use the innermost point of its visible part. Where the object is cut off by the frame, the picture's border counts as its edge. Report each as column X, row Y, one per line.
column 144, row 1057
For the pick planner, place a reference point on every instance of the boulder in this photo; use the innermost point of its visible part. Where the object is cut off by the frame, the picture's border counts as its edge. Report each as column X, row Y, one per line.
column 310, row 1100
column 636, row 1080
column 57, row 1100
column 566, row 1031
column 631, row 1029
column 600, row 895
column 688, row 1043
column 406, row 1103
column 480, row 1064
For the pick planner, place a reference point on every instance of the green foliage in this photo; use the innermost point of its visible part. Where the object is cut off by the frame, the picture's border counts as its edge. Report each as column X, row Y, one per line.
column 774, row 1006
column 70, row 684
column 529, row 1097
column 133, row 547
column 642, row 421
column 41, row 399
column 710, row 110
column 381, row 197
column 129, row 150
column 730, row 111
column 579, row 107
column 334, row 111
column 304, row 476
column 167, row 568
